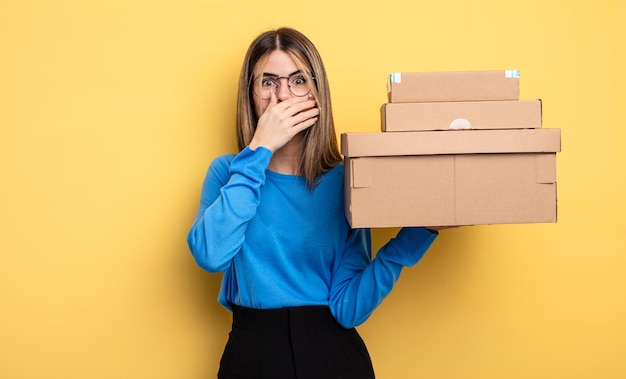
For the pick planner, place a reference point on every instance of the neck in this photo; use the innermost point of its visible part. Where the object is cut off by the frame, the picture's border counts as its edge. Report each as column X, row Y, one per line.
column 286, row 160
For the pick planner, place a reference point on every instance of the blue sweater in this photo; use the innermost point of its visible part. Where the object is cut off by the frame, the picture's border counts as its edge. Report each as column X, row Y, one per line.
column 280, row 244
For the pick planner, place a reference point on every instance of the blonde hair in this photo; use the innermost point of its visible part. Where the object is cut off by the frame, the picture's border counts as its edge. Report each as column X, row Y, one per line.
column 320, row 151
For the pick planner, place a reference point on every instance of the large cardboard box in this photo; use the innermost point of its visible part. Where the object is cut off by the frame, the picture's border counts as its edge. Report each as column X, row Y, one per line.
column 516, row 114
column 411, row 87
column 447, row 178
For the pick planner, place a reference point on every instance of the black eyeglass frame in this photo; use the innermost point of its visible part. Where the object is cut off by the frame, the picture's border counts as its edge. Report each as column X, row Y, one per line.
column 277, row 80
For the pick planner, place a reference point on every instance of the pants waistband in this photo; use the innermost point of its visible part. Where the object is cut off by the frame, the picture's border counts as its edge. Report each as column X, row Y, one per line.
column 291, row 320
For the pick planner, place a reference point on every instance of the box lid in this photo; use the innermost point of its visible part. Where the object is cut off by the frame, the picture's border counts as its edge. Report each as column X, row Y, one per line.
column 407, row 87
column 454, row 115
column 451, row 142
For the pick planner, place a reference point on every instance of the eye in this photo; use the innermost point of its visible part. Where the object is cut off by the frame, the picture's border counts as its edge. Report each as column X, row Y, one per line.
column 297, row 80
column 268, row 82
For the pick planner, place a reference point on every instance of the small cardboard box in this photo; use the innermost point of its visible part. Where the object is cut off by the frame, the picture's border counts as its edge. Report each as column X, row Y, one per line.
column 450, row 178
column 516, row 114
column 413, row 87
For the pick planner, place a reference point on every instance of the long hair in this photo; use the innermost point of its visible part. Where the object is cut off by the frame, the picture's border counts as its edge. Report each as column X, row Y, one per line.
column 319, row 151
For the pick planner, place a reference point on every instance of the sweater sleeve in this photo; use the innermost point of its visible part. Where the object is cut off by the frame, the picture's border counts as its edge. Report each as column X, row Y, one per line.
column 360, row 284
column 229, row 200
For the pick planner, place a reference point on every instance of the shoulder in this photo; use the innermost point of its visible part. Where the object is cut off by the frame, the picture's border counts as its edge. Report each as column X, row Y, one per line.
column 332, row 177
column 219, row 166
column 335, row 171
column 222, row 161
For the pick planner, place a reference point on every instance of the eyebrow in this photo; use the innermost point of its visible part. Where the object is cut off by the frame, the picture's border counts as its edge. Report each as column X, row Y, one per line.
column 276, row 75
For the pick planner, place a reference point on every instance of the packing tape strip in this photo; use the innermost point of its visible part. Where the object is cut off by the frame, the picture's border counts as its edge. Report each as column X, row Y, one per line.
column 511, row 74
column 460, row 124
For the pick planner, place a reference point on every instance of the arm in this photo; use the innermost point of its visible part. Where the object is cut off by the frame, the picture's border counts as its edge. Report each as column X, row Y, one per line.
column 360, row 285
column 230, row 196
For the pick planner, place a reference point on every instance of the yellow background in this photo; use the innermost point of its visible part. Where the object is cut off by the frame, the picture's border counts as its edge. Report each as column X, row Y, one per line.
column 110, row 112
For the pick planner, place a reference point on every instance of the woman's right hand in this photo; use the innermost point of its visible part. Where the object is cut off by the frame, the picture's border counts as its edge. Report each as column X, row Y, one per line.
column 281, row 121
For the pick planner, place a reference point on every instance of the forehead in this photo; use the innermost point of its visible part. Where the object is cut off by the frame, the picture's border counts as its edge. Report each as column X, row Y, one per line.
column 277, row 62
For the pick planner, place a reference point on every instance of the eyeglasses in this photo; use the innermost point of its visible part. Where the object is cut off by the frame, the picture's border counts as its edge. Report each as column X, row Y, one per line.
column 297, row 83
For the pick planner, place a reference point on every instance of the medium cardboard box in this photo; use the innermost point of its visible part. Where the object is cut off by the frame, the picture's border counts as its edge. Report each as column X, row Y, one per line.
column 412, row 87
column 515, row 114
column 449, row 178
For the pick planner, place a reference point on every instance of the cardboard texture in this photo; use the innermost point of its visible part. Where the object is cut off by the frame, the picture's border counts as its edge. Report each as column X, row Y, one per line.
column 409, row 87
column 450, row 178
column 451, row 142
column 520, row 114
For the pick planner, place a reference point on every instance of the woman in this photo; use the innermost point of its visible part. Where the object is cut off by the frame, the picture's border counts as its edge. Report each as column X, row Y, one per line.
column 297, row 278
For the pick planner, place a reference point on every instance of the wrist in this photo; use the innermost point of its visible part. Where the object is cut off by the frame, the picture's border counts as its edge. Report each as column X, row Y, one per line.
column 254, row 145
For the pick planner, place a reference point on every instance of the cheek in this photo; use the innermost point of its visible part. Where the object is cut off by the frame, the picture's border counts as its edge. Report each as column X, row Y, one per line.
column 260, row 105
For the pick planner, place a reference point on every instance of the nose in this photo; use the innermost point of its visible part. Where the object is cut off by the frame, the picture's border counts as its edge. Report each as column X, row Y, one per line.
column 283, row 89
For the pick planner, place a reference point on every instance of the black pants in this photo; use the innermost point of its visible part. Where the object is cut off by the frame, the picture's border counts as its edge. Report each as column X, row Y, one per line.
column 293, row 343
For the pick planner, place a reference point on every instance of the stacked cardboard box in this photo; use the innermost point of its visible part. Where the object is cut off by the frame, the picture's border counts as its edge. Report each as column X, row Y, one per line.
column 457, row 148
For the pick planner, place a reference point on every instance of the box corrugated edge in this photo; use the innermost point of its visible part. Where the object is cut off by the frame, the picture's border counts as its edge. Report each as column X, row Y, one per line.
column 476, row 115
column 451, row 142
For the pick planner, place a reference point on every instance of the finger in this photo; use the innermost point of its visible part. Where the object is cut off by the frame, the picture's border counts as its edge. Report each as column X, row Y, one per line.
column 273, row 98
column 299, row 105
column 304, row 125
column 305, row 115
column 306, row 119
